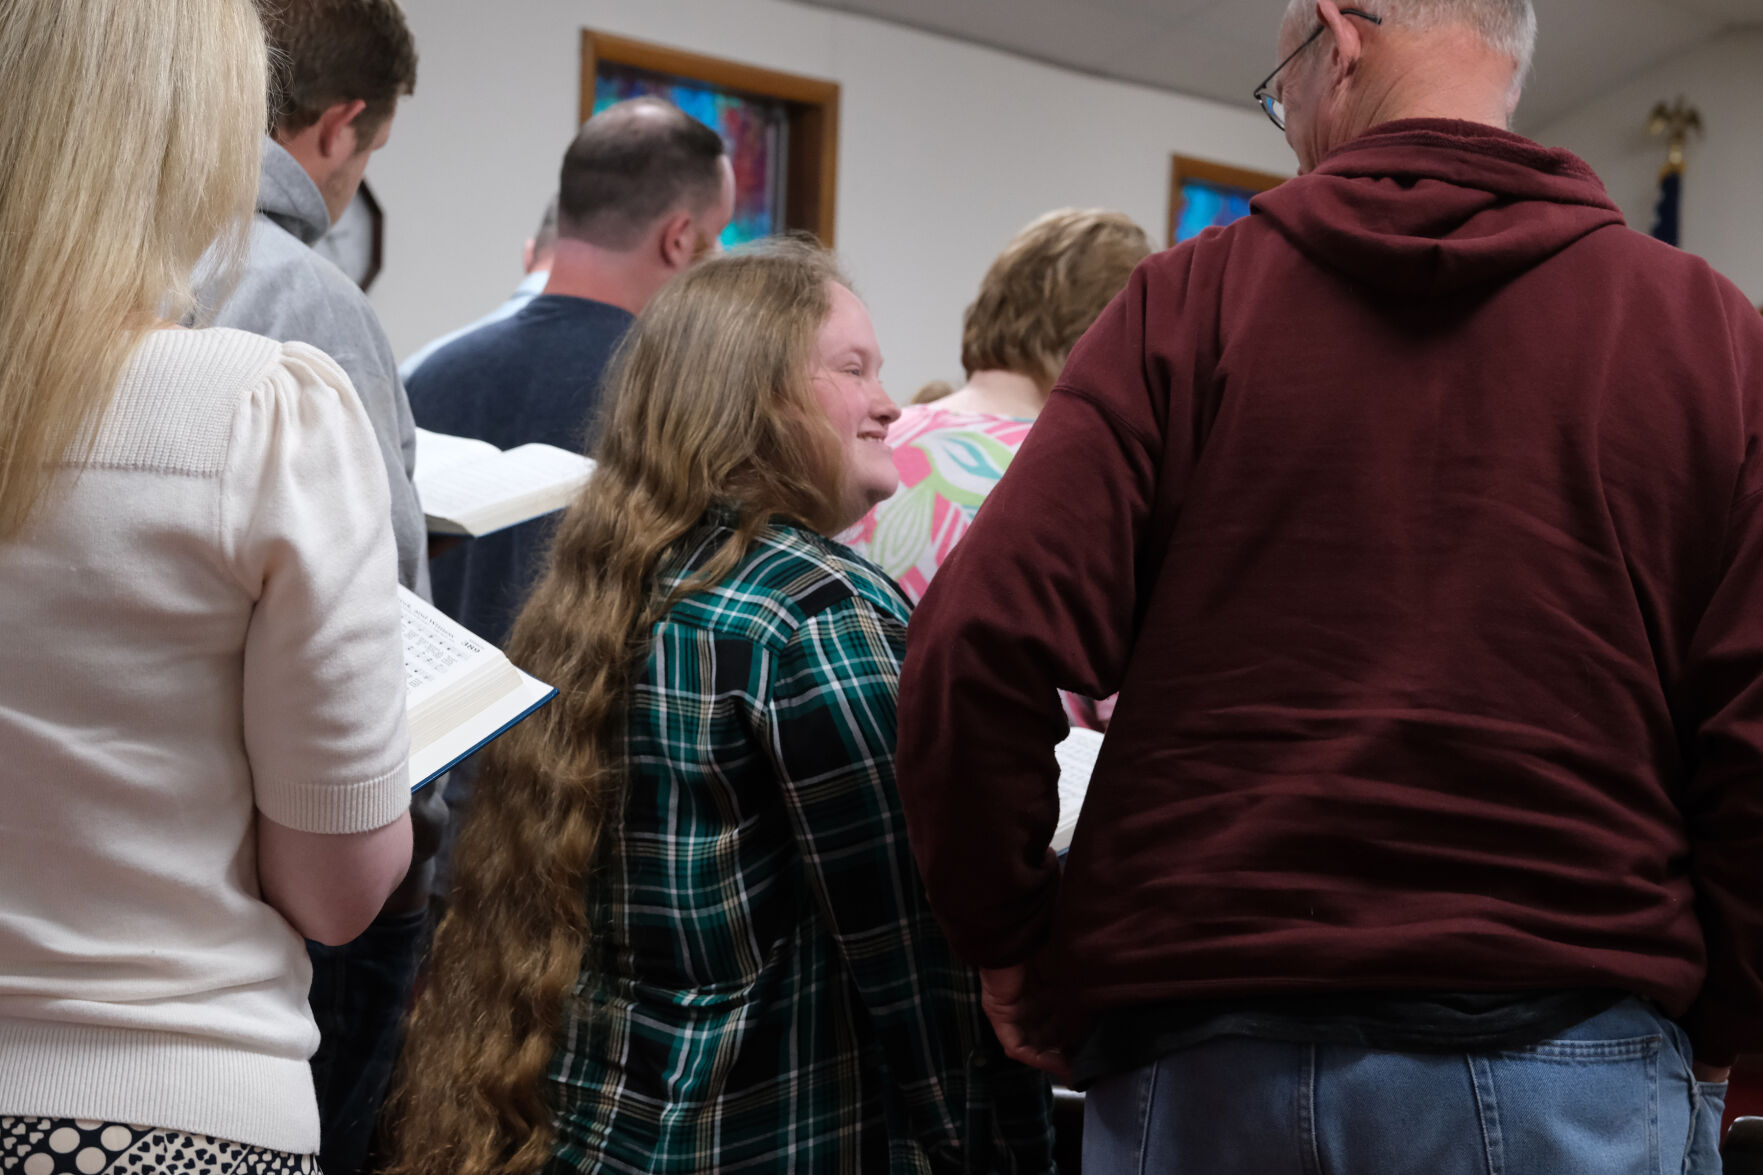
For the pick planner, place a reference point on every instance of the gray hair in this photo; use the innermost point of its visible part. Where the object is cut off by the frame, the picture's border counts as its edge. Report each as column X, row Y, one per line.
column 1508, row 26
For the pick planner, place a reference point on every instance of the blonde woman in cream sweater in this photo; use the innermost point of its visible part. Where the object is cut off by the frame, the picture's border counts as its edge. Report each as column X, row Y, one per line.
column 202, row 740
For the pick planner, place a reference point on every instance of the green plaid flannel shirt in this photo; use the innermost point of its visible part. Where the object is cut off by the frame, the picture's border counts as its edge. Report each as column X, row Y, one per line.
column 766, row 989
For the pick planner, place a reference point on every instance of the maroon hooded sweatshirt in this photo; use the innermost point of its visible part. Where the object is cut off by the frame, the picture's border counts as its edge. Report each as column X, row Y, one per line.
column 1418, row 519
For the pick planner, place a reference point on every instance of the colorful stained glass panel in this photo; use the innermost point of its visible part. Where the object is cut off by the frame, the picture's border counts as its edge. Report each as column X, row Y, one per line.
column 1205, row 205
column 754, row 131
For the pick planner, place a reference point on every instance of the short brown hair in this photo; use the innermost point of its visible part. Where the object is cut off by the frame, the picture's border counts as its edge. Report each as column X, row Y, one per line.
column 632, row 164
column 331, row 51
column 1046, row 288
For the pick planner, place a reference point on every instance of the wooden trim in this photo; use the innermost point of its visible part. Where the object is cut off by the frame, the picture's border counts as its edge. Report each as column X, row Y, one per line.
column 730, row 75
column 1183, row 168
column 827, row 216
column 812, row 185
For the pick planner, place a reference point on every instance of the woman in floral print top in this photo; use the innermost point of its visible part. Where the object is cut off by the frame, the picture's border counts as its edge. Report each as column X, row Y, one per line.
column 1050, row 283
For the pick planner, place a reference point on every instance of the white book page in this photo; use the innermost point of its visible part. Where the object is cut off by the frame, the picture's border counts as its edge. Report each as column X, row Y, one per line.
column 543, row 463
column 437, row 452
column 1077, row 759
column 474, row 494
column 437, row 652
column 462, row 691
column 450, row 746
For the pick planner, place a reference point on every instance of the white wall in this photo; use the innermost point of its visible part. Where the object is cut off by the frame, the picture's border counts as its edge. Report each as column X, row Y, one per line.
column 945, row 149
column 1723, row 188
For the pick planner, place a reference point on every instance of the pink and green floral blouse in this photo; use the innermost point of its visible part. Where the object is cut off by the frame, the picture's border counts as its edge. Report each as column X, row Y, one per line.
column 948, row 463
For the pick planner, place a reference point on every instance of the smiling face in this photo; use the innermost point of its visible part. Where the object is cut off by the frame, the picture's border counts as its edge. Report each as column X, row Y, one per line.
column 847, row 384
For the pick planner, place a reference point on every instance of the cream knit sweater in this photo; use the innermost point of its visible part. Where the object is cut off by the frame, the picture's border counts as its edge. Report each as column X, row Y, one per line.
column 201, row 624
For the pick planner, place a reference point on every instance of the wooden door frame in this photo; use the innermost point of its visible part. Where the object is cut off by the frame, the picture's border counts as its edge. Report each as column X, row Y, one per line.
column 811, row 186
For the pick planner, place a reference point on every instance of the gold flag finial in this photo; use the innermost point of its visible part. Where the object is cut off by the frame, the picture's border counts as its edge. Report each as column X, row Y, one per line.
column 1677, row 121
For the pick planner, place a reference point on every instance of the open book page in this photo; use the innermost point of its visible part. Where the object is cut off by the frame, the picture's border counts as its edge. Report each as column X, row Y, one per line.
column 447, row 669
column 437, row 452
column 1077, row 759
column 510, row 487
column 462, row 691
column 434, row 759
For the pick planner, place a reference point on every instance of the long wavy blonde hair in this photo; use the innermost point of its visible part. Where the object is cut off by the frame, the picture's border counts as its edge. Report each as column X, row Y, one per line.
column 710, row 403
column 130, row 139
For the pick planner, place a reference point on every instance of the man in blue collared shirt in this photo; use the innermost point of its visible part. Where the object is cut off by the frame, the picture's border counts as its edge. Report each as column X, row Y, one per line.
column 644, row 190
column 536, row 258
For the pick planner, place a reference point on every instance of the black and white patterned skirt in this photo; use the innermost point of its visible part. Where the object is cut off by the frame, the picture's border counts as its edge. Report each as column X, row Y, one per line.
column 62, row 1146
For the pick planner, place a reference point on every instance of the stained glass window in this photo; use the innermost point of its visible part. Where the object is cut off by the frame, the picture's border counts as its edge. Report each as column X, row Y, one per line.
column 1205, row 205
column 755, row 132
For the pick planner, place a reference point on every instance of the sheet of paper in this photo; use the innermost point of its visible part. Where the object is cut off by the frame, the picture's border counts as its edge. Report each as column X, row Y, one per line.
column 1077, row 759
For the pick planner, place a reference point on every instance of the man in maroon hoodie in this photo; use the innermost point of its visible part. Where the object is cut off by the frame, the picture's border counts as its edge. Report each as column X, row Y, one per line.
column 1418, row 520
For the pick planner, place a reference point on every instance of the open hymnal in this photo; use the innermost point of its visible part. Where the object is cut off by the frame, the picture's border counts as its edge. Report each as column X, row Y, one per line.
column 1077, row 758
column 461, row 691
column 471, row 487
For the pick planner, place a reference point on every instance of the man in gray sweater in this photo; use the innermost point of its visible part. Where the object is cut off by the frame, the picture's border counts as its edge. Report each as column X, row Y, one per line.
column 334, row 113
column 344, row 66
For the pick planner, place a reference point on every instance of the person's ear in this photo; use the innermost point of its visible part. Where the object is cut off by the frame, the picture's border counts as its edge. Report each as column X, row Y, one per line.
column 679, row 240
column 336, row 138
column 1346, row 45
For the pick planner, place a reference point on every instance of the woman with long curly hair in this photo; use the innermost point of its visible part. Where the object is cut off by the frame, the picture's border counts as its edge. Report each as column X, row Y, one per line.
column 687, row 933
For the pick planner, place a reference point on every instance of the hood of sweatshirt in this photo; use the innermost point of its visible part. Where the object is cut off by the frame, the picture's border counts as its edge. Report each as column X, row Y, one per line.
column 1432, row 207
column 287, row 195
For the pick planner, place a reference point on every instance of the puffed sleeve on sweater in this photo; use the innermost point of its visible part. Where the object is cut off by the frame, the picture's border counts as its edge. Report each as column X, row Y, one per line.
column 305, row 522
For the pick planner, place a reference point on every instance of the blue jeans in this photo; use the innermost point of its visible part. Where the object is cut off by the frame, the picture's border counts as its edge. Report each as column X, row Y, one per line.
column 1613, row 1095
